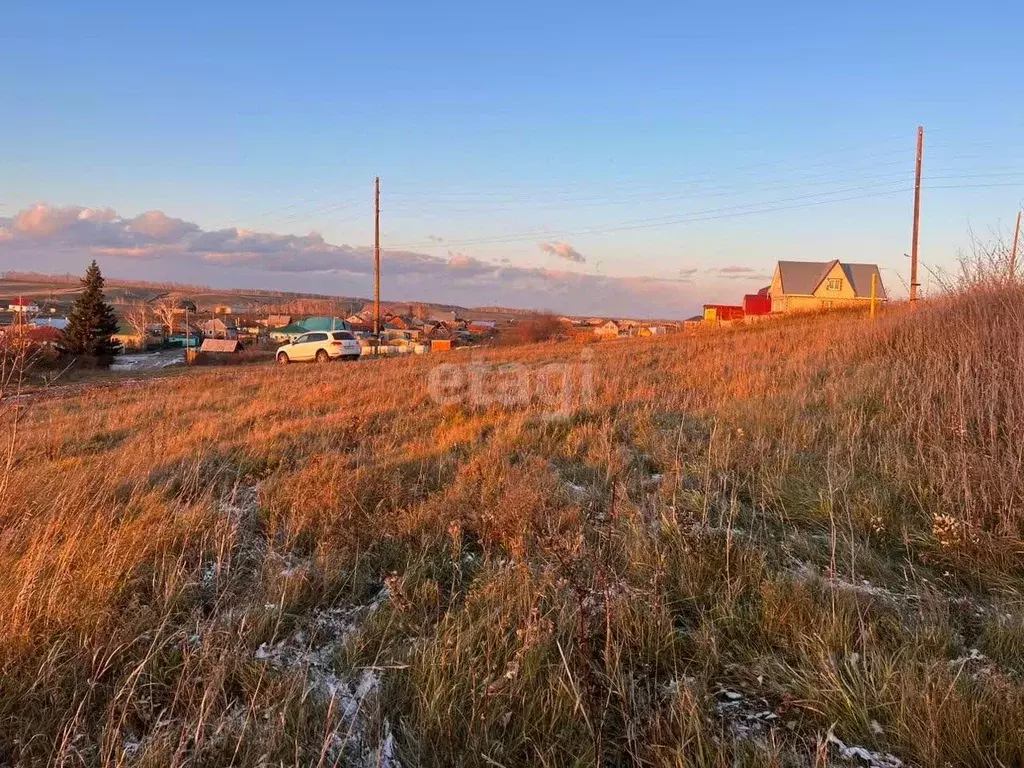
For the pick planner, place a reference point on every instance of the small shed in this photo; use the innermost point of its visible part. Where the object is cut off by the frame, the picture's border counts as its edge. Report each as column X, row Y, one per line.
column 722, row 312
column 221, row 346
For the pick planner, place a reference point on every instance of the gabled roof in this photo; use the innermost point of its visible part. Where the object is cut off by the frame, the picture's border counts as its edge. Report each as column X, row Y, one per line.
column 802, row 278
column 220, row 345
column 859, row 276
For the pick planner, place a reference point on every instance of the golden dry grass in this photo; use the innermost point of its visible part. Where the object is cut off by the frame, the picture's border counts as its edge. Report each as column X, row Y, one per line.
column 319, row 565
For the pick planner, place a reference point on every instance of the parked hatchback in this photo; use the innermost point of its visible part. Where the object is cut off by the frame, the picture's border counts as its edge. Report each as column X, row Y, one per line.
column 321, row 346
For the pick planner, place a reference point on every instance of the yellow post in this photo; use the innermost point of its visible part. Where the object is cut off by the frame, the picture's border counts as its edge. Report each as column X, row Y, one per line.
column 874, row 293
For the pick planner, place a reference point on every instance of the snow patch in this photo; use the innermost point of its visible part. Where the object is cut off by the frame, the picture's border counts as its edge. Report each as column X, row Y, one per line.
column 148, row 361
column 312, row 651
column 744, row 718
column 861, row 754
column 972, row 655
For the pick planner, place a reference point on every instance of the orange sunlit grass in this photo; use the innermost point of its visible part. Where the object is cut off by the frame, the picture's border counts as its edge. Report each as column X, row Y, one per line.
column 322, row 565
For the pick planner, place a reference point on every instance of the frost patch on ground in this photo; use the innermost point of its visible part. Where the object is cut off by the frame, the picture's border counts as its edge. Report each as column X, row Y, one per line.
column 576, row 488
column 977, row 665
column 291, row 566
column 148, row 361
column 312, row 651
column 752, row 718
column 862, row 755
column 808, row 573
column 744, row 718
column 972, row 655
column 131, row 745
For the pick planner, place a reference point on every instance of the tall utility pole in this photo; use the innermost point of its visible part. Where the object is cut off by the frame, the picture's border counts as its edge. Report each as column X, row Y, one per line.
column 1013, row 253
column 917, row 216
column 376, row 260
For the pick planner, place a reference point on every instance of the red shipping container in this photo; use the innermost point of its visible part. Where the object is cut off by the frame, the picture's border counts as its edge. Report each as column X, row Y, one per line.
column 757, row 304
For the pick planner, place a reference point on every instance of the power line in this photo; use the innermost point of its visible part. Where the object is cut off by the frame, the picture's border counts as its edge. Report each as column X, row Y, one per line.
column 708, row 215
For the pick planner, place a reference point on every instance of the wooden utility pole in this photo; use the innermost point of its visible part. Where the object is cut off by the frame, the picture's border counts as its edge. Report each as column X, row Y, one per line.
column 1013, row 252
column 874, row 293
column 917, row 216
column 376, row 261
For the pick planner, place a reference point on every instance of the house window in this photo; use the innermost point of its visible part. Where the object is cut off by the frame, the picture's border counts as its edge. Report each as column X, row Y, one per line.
column 834, row 284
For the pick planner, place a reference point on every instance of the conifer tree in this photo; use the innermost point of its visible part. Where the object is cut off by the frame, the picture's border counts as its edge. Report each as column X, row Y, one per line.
column 92, row 321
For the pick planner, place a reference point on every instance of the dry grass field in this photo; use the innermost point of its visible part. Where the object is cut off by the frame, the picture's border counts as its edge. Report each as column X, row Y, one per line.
column 798, row 543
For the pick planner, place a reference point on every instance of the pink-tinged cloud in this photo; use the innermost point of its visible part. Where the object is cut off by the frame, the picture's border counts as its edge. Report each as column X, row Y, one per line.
column 159, row 226
column 563, row 251
column 130, row 253
column 738, row 273
column 41, row 220
column 732, row 270
column 156, row 246
column 463, row 261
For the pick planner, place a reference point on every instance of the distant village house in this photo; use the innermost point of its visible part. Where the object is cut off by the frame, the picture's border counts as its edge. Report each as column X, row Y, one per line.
column 219, row 328
column 135, row 338
column 24, row 306
column 278, row 321
column 801, row 286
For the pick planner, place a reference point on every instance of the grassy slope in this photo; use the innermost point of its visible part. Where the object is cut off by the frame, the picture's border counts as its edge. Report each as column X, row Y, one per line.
column 318, row 565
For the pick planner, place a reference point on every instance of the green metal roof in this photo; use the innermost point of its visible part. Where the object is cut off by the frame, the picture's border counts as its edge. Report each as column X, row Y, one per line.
column 324, row 324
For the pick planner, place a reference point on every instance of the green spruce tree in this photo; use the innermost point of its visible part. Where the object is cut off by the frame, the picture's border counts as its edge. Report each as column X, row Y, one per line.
column 92, row 322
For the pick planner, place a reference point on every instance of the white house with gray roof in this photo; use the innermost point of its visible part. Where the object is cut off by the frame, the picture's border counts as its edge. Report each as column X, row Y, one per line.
column 801, row 286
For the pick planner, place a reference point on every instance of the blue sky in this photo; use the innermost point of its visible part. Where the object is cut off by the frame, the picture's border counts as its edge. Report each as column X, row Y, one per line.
column 657, row 140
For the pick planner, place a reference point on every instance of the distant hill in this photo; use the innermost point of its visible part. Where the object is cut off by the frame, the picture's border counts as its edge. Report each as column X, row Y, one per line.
column 62, row 289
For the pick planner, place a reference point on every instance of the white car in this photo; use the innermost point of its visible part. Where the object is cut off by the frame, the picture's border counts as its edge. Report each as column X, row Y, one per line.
column 322, row 346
